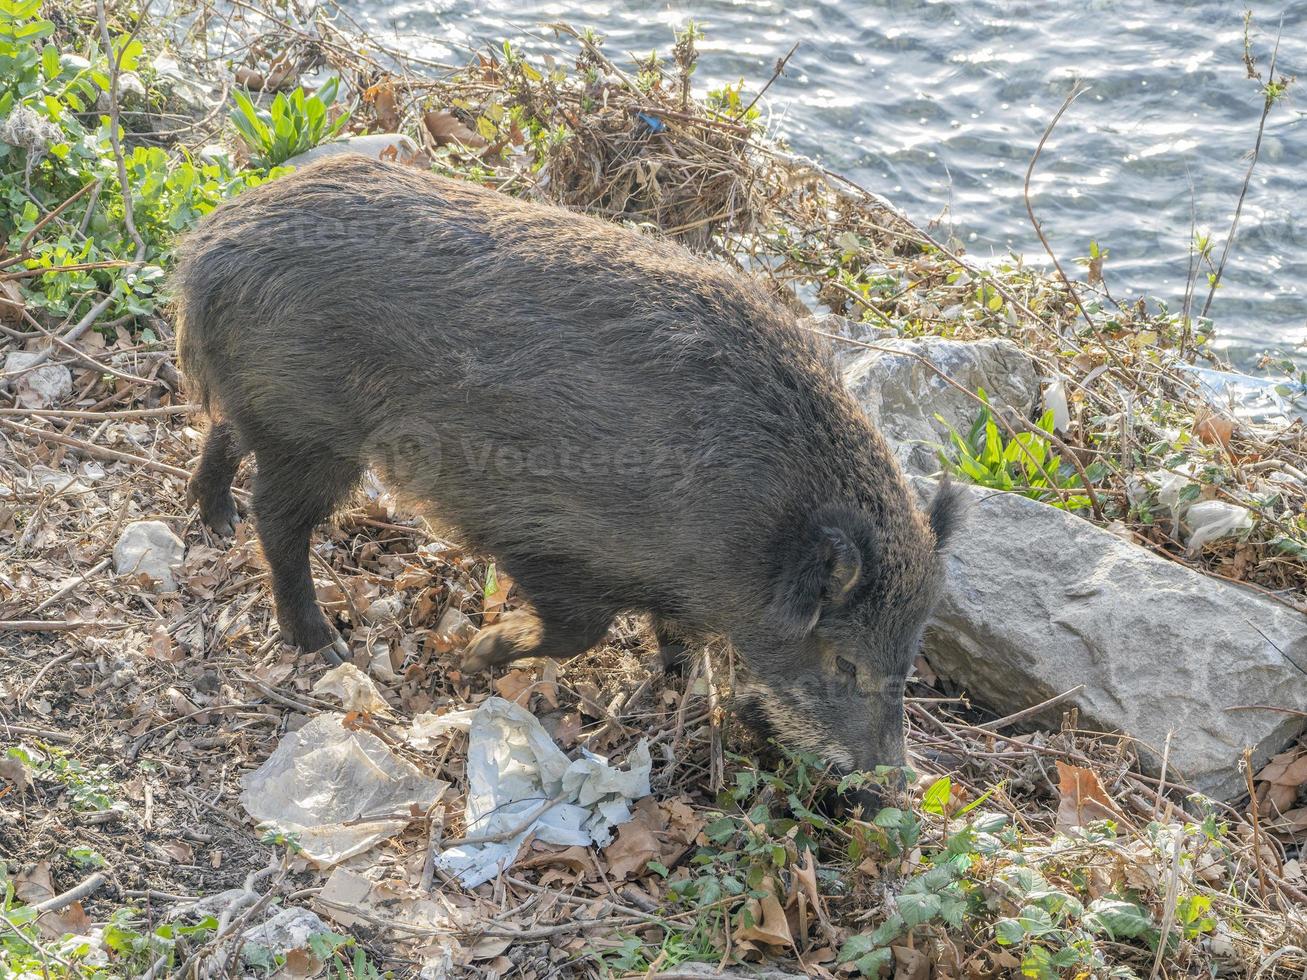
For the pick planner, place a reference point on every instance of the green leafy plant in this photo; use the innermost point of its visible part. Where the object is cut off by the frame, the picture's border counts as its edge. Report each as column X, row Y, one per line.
column 289, row 126
column 125, row 947
column 88, row 788
column 59, row 150
column 1025, row 463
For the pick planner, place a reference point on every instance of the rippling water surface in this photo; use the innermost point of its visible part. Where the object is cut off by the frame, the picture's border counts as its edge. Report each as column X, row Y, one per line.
column 939, row 106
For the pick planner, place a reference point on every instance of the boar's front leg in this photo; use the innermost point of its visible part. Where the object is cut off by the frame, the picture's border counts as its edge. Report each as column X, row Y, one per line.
column 523, row 634
column 292, row 495
column 210, row 487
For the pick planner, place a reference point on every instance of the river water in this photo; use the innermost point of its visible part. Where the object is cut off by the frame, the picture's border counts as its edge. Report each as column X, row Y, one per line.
column 938, row 104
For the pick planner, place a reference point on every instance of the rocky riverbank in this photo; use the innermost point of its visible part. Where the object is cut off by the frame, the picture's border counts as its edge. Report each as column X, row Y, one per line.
column 1125, row 606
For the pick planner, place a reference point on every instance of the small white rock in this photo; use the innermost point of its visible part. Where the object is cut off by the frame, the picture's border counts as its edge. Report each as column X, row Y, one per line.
column 387, row 609
column 150, row 548
column 372, row 145
column 40, row 387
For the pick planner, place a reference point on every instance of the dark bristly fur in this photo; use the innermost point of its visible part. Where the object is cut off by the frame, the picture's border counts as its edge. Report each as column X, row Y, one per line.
column 622, row 425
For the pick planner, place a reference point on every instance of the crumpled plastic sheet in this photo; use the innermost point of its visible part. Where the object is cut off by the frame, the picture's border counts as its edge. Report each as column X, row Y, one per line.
column 1252, row 399
column 324, row 775
column 1208, row 520
column 515, row 770
column 354, row 689
column 1202, row 520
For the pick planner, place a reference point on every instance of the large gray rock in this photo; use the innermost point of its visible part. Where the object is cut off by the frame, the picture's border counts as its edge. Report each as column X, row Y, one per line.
column 902, row 394
column 1039, row 601
column 831, row 326
column 150, row 548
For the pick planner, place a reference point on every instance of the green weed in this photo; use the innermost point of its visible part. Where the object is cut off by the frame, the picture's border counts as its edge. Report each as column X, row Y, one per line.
column 291, row 125
column 1025, row 463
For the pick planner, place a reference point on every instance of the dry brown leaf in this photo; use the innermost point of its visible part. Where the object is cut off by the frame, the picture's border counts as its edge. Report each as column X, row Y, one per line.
column 184, row 707
column 1279, row 782
column 493, row 604
column 301, row 964
column 1083, row 798
column 179, row 851
column 636, row 843
column 1275, row 798
column 681, row 829
column 568, row 729
column 11, row 303
column 1139, row 867
column 250, row 79
column 573, row 858
column 282, row 73
column 804, row 882
column 516, row 686
column 549, row 683
column 446, row 128
column 910, row 964
column 1291, row 822
column 15, row 771
column 770, row 925
column 1287, row 768
column 382, row 98
column 37, row 886
column 1214, row 430
column 489, row 948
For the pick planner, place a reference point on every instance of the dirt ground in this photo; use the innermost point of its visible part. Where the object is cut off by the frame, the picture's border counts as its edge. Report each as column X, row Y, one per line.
column 140, row 712
column 129, row 715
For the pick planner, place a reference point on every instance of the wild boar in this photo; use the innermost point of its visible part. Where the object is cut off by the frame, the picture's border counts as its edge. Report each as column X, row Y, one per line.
column 622, row 425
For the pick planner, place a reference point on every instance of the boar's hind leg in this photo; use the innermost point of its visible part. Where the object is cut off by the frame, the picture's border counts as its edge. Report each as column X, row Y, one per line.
column 522, row 634
column 292, row 495
column 672, row 649
column 210, row 487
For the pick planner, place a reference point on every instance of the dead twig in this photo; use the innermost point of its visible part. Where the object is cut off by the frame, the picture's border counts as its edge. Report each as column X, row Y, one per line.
column 75, row 894
column 1032, row 711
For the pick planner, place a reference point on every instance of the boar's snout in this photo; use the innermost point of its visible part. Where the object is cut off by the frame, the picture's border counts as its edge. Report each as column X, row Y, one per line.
column 851, row 733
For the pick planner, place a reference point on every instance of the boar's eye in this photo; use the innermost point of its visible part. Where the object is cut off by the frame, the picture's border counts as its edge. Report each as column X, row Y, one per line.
column 846, row 666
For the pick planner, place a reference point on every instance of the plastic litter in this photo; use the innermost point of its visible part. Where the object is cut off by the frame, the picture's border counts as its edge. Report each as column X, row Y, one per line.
column 1200, row 521
column 520, row 783
column 1252, row 399
column 1055, row 401
column 1208, row 520
column 325, row 775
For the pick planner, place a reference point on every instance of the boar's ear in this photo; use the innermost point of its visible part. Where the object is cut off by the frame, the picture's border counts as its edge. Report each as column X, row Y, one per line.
column 947, row 512
column 823, row 569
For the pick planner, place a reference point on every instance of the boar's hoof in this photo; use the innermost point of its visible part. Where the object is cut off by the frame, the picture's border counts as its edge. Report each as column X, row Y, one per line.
column 217, row 511
column 517, row 635
column 326, row 643
column 336, row 652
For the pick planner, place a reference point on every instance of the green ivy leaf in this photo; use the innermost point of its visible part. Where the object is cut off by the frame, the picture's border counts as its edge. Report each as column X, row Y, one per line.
column 917, row 909
column 1118, row 918
column 50, row 66
column 871, row 964
column 1009, row 932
